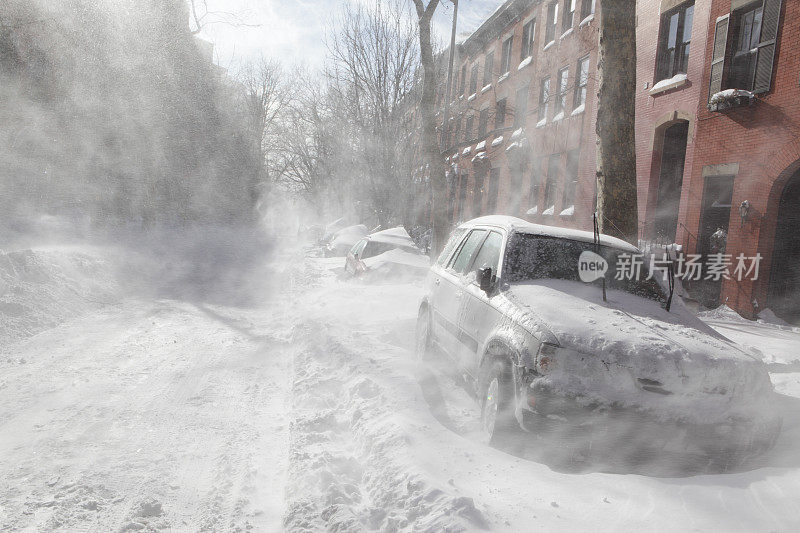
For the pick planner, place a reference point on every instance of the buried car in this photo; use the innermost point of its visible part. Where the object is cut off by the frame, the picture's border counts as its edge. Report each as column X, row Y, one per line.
column 391, row 250
column 541, row 324
column 344, row 239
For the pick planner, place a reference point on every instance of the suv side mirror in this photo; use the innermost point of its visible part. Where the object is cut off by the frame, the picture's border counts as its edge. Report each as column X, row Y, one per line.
column 485, row 279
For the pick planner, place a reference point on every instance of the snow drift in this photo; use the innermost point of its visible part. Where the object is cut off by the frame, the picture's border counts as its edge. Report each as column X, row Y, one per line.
column 40, row 288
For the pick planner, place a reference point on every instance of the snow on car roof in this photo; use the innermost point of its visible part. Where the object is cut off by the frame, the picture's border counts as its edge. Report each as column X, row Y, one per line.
column 397, row 236
column 523, row 226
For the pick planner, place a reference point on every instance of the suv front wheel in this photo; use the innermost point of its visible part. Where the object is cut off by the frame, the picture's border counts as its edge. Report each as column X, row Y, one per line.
column 497, row 404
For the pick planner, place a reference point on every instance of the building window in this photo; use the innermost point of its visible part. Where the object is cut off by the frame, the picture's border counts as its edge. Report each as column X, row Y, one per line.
column 483, row 121
column 500, row 114
column 746, row 36
column 550, row 28
column 468, row 128
column 473, row 79
column 528, row 33
column 521, row 109
column 494, row 190
column 561, row 101
column 550, row 186
column 587, row 8
column 488, row 67
column 674, row 39
column 544, row 98
column 743, row 54
column 463, row 79
column 580, row 83
column 505, row 58
column 536, row 181
column 569, row 12
column 571, row 179
column 456, row 128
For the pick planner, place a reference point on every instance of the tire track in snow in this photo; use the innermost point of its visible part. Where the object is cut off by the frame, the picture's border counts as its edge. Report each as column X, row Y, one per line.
column 349, row 461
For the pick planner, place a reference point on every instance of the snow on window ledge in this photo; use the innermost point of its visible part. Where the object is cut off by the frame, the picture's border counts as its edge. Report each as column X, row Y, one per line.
column 727, row 94
column 578, row 110
column 568, row 212
column 511, row 146
column 472, row 97
column 678, row 80
column 549, row 45
column 588, row 20
column 502, row 77
column 486, row 88
column 525, row 62
column 550, row 210
column 497, row 141
column 516, row 133
column 480, row 146
column 533, row 210
column 467, row 150
column 542, row 123
column 559, row 116
column 566, row 33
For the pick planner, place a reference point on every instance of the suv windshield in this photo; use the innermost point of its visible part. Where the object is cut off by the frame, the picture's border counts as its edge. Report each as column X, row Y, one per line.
column 532, row 257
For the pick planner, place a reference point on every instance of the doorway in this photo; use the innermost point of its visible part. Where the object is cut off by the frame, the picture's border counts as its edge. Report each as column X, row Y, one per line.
column 784, row 283
column 670, row 182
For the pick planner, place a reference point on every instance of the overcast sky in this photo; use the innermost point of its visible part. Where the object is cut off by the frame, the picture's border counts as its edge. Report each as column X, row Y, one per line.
column 294, row 30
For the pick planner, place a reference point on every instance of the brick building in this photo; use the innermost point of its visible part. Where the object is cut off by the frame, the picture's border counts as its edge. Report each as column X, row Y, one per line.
column 521, row 136
column 717, row 144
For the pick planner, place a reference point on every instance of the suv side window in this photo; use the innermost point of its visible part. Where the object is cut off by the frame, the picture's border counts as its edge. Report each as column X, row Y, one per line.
column 463, row 258
column 452, row 242
column 489, row 254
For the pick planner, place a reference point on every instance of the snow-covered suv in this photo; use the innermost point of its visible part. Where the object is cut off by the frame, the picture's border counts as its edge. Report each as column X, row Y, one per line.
column 506, row 302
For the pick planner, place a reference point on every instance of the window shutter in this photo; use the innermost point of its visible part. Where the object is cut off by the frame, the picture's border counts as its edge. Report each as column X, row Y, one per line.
column 766, row 48
column 718, row 55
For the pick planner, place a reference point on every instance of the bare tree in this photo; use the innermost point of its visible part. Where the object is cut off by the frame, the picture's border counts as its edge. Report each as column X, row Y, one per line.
column 432, row 155
column 201, row 17
column 616, row 151
column 373, row 60
column 266, row 96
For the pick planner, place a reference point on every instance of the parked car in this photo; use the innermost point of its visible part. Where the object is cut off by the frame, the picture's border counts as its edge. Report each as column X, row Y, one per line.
column 505, row 302
column 392, row 250
column 344, row 239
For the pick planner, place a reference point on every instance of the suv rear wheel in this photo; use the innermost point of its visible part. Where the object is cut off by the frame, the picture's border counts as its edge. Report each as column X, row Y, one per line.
column 423, row 347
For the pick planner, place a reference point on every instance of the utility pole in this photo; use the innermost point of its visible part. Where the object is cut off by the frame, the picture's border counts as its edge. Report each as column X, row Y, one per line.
column 446, row 126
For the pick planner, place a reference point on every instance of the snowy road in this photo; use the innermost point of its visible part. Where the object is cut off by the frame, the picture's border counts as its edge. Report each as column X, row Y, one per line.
column 306, row 414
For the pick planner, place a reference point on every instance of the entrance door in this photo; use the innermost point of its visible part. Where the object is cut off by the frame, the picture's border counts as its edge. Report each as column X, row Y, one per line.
column 784, row 283
column 670, row 181
column 714, row 222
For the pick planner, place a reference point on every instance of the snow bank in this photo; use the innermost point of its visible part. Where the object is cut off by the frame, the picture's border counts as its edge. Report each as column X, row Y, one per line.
column 41, row 288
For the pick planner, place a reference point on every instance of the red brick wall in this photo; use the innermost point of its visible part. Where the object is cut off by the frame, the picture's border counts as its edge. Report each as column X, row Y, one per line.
column 765, row 142
column 655, row 112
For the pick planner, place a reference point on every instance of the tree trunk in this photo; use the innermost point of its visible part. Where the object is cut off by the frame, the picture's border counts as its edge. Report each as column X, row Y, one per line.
column 616, row 150
column 430, row 144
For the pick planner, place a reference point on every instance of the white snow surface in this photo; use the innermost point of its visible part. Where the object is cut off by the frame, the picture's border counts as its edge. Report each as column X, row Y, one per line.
column 497, row 141
column 305, row 413
column 523, row 226
column 669, row 83
column 347, row 237
column 525, row 62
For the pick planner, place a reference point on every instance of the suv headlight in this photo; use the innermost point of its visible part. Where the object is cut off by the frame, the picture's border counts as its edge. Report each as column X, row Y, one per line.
column 546, row 357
